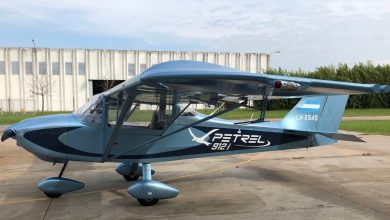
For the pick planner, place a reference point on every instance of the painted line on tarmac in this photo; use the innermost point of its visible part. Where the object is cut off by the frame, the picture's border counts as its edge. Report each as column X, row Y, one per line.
column 218, row 169
column 23, row 201
column 166, row 180
column 64, row 196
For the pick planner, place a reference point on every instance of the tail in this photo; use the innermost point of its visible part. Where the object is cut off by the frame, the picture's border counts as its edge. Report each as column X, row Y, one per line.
column 318, row 117
column 317, row 114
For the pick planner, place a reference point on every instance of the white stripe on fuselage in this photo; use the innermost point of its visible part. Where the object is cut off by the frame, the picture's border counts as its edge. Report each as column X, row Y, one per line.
column 311, row 106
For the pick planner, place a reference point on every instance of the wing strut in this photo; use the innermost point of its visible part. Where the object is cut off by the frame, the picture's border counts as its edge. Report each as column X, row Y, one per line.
column 263, row 109
column 180, row 129
column 119, row 122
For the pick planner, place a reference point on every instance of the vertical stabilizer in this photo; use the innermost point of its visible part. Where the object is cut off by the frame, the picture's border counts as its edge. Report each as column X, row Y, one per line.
column 316, row 114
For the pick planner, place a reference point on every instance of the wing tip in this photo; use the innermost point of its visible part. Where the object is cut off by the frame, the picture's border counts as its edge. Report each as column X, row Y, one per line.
column 385, row 88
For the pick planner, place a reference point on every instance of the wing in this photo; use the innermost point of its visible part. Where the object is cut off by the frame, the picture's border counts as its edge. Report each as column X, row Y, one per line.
column 210, row 83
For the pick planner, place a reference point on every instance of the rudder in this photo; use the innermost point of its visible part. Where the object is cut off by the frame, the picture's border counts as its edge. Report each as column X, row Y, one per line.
column 316, row 114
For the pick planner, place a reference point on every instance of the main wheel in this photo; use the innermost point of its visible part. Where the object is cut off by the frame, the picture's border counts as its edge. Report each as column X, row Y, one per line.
column 147, row 202
column 131, row 177
column 53, row 195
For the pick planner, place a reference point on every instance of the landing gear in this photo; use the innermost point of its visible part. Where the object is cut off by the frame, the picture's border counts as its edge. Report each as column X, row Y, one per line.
column 52, row 195
column 63, row 169
column 147, row 191
column 54, row 187
column 148, row 202
column 131, row 177
column 130, row 171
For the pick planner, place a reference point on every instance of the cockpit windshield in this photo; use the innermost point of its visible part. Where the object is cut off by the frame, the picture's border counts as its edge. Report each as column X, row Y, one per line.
column 91, row 112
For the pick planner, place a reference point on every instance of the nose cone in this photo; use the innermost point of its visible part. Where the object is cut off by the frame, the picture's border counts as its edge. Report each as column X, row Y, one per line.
column 7, row 134
column 44, row 122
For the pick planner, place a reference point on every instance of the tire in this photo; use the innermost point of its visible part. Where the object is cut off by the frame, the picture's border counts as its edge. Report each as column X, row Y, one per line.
column 131, row 177
column 147, row 202
column 53, row 195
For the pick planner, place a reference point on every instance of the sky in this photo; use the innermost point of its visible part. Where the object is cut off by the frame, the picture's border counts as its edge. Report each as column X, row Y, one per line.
column 307, row 33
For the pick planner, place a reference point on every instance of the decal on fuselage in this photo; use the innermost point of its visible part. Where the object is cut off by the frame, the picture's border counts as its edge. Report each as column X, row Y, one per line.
column 310, row 110
column 222, row 141
column 307, row 117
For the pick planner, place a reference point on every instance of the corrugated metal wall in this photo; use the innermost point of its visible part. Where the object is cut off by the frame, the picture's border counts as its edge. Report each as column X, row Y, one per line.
column 72, row 70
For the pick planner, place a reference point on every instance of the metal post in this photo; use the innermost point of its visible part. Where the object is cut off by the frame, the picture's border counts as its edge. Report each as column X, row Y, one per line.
column 63, row 168
column 106, row 106
column 146, row 171
column 175, row 106
column 119, row 122
column 162, row 107
column 264, row 103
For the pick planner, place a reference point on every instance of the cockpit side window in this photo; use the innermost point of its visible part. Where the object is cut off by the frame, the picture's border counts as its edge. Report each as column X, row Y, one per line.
column 91, row 112
column 142, row 116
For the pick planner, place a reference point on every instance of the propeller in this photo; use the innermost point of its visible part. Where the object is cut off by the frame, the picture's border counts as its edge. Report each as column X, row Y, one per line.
column 7, row 134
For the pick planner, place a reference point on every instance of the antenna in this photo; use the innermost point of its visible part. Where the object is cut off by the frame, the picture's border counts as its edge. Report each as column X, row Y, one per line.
column 34, row 47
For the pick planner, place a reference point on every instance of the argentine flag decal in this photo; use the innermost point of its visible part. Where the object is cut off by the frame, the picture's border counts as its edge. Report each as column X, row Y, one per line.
column 311, row 106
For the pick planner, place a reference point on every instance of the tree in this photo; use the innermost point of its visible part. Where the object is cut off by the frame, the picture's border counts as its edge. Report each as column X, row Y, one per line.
column 41, row 86
column 106, row 83
column 358, row 73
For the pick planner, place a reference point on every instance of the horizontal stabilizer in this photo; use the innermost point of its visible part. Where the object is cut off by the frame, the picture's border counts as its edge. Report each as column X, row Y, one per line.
column 344, row 137
column 334, row 136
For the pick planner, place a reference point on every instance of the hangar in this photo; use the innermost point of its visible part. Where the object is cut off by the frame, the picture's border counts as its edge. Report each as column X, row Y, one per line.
column 77, row 74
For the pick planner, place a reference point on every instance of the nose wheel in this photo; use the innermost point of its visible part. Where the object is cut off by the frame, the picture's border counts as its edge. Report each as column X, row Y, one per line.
column 52, row 195
column 54, row 187
column 131, row 177
column 130, row 171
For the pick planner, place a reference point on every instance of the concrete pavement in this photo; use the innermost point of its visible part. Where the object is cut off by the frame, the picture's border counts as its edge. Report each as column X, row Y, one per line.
column 343, row 181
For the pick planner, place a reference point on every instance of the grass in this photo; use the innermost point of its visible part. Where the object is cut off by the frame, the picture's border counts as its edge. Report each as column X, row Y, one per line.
column 11, row 118
column 367, row 112
column 367, row 127
column 137, row 116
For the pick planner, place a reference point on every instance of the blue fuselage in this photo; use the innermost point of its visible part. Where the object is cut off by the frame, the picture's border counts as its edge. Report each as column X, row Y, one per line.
column 58, row 138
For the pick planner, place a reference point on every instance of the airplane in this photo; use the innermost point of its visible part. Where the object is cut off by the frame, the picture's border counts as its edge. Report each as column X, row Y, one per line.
column 112, row 126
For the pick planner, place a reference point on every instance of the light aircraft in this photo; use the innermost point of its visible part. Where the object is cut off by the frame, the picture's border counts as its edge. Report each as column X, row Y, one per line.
column 112, row 128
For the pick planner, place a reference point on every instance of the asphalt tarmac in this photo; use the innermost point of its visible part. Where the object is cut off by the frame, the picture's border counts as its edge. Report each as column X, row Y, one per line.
column 342, row 181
